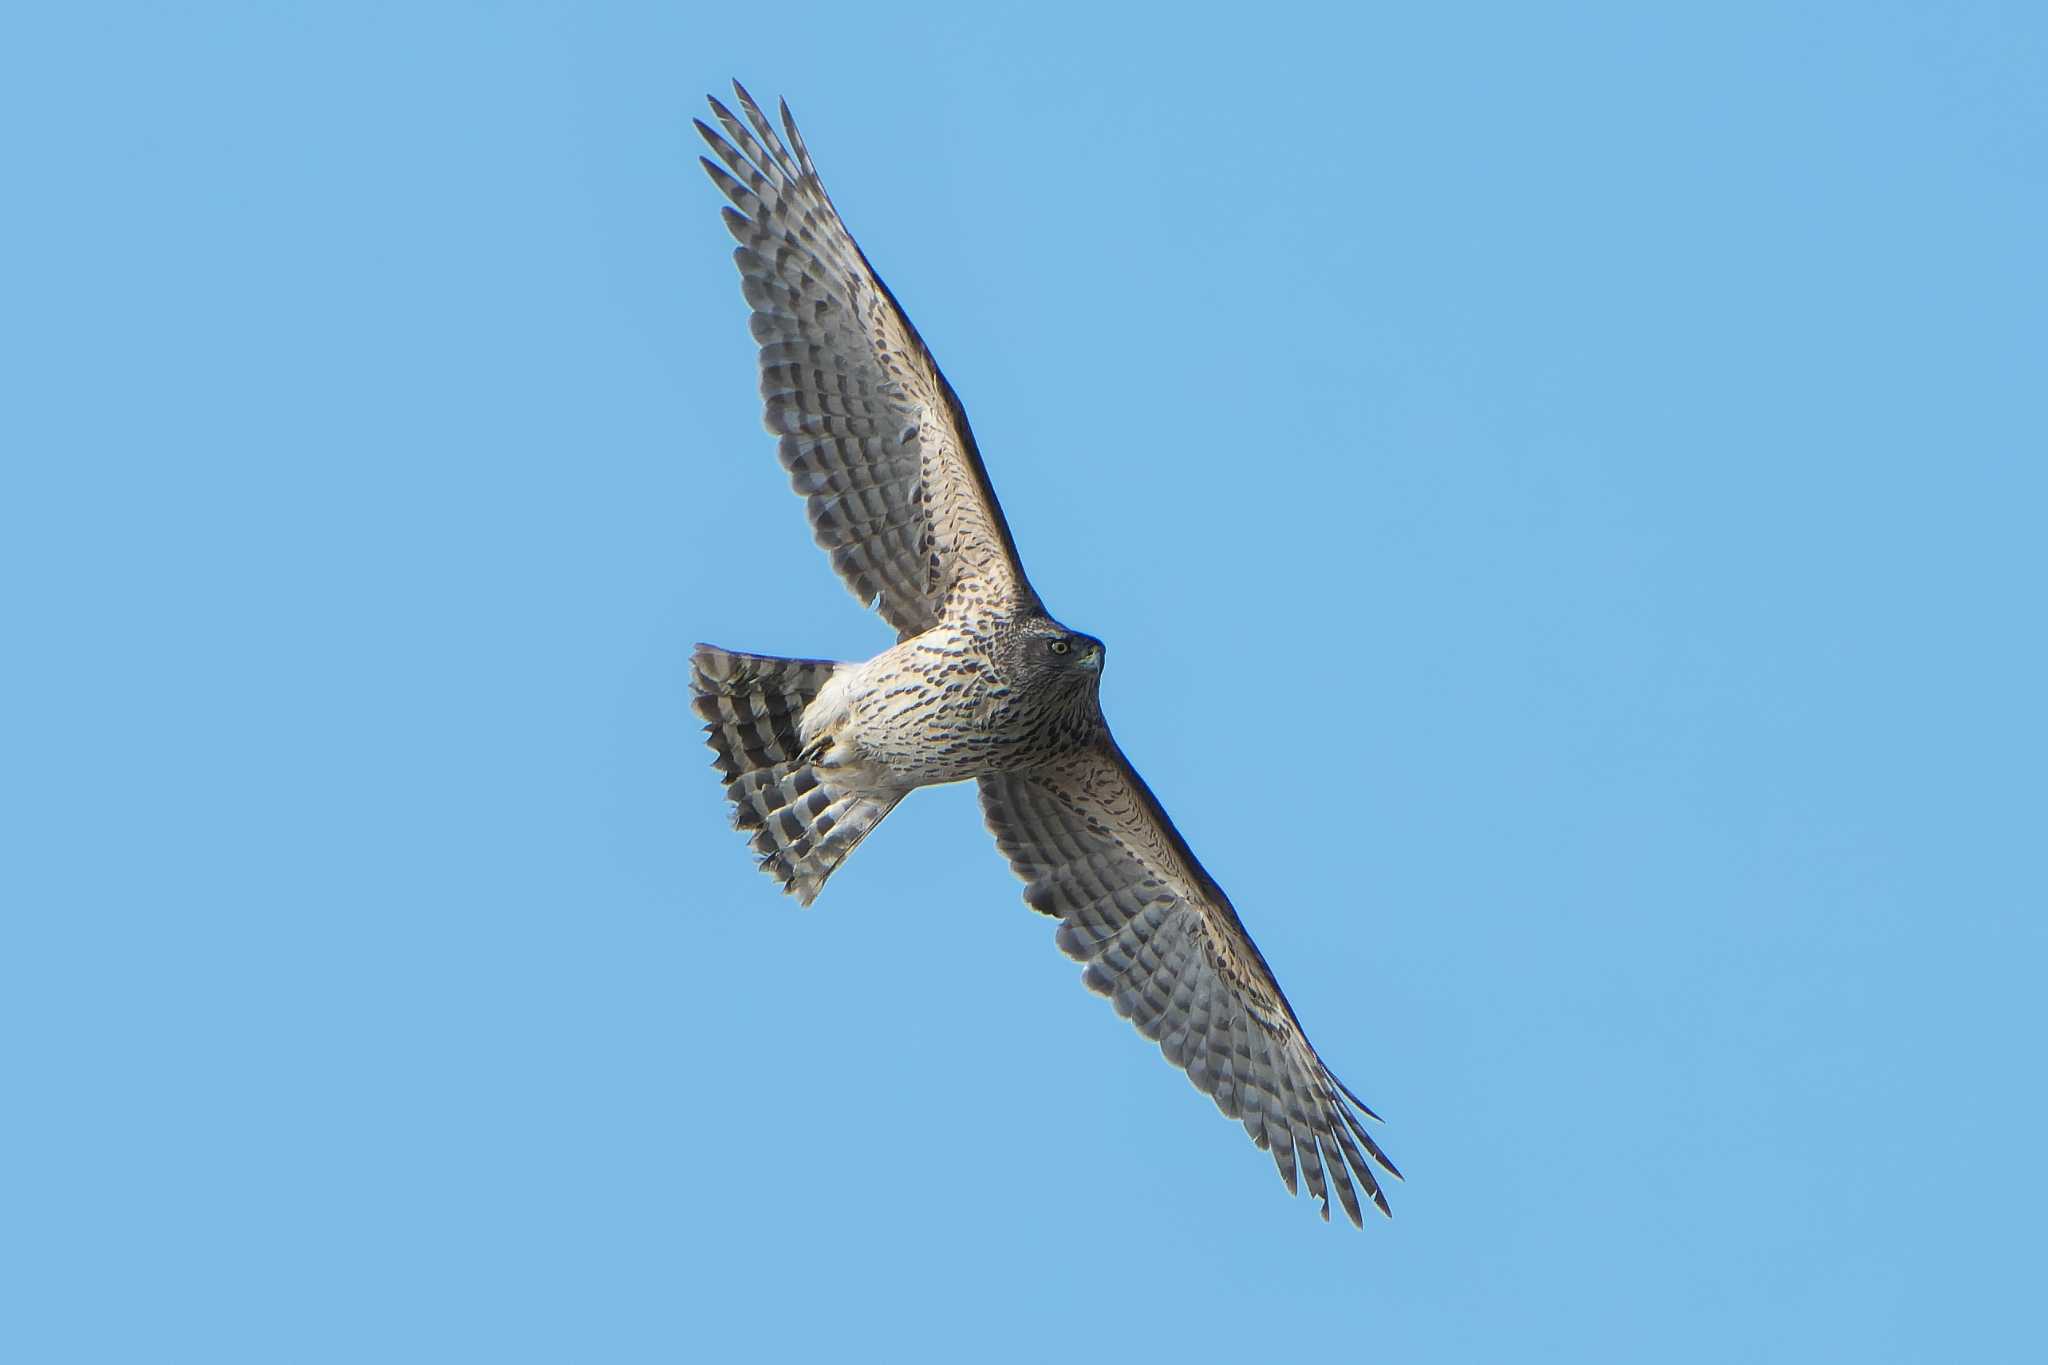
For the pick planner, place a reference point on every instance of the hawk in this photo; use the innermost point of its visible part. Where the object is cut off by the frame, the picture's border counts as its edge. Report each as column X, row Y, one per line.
column 981, row 684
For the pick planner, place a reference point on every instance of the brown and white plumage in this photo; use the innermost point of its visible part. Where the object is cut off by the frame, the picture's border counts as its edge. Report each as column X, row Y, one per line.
column 872, row 434
column 981, row 684
column 1163, row 942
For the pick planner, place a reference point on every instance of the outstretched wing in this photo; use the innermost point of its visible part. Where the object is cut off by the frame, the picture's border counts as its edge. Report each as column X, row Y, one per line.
column 1163, row 943
column 872, row 434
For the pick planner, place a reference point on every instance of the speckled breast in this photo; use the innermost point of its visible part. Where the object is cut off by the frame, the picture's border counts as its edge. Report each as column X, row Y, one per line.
column 934, row 709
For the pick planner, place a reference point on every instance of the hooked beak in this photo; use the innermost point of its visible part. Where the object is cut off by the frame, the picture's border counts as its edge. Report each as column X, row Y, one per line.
column 1092, row 660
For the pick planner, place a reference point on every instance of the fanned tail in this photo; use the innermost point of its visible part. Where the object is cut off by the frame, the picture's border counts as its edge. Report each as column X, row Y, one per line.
column 753, row 704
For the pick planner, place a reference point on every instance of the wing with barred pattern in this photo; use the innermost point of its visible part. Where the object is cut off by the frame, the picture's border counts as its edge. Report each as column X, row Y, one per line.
column 1162, row 941
column 873, row 436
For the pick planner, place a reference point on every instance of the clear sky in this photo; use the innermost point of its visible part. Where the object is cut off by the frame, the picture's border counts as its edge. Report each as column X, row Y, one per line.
column 1563, row 489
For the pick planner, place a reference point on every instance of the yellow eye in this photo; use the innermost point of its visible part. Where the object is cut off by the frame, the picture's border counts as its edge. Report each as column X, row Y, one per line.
column 1060, row 646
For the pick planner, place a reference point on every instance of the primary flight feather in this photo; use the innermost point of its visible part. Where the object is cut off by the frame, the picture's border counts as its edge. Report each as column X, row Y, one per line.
column 982, row 683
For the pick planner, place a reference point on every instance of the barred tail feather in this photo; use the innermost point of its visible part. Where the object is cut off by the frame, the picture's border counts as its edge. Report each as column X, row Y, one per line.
column 752, row 704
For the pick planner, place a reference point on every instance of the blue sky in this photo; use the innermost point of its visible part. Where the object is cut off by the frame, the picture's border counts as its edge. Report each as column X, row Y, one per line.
column 1563, row 490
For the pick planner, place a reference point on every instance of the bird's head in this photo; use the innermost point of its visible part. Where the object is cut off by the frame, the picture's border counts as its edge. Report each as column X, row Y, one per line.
column 1043, row 654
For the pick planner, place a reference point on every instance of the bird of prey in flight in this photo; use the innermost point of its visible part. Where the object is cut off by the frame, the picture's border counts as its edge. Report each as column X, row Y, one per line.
column 982, row 683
